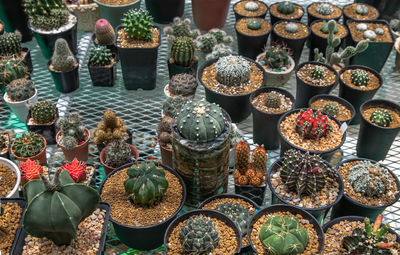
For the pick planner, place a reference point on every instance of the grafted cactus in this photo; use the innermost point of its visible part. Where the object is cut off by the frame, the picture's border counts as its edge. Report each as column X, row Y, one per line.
column 312, row 124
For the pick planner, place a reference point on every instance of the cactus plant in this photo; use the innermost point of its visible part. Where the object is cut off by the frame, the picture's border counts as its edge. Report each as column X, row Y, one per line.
column 182, row 51
column 221, row 36
column 242, row 157
column 146, row 184
column 236, row 212
column 11, row 69
column 100, row 56
column 285, row 7
column 276, row 56
column 379, row 31
column 182, row 85
column 164, row 131
column 324, row 9
column 62, row 60
column 362, row 9
column 72, row 130
column 317, row 73
column 43, row 112
column 76, row 169
column 28, row 145
column 251, row 6
column 259, row 160
column 381, row 117
column 198, row 235
column 219, row 50
column 138, row 24
column 205, row 43
column 46, row 14
column 117, row 153
column 331, row 108
column 312, row 124
column 272, row 100
column 30, row 170
column 232, row 70
column 254, row 24
column 359, row 78
column 178, row 28
column 104, row 32
column 65, row 204
column 369, row 35
column 283, row 236
column 173, row 105
column 291, row 28
column 10, row 44
column 361, row 27
column 111, row 128
column 325, row 28
column 20, row 89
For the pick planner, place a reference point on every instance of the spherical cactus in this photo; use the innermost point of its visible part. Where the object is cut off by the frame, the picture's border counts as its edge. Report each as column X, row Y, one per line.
column 276, row 57
column 173, row 105
column 146, row 184
column 69, row 142
column 359, row 78
column 318, row 73
column 71, row 127
column 331, row 108
column 182, row 51
column 379, row 31
column 28, row 145
column 182, row 85
column 10, row 44
column 370, row 35
column 324, row 9
column 30, row 170
column 100, row 56
column 219, row 50
column 165, row 139
column 117, row 153
column 291, row 28
column 272, row 100
column 362, row 9
column 178, row 28
column 312, row 124
column 43, row 112
column 251, row 6
column 137, row 24
column 104, row 32
column 205, row 43
column 286, row 7
column 62, row 59
column 11, row 69
column 361, row 27
column 165, row 124
column 232, row 70
column 200, row 121
column 242, row 157
column 254, row 24
column 381, row 117
column 220, row 35
column 198, row 235
column 20, row 89
column 239, row 214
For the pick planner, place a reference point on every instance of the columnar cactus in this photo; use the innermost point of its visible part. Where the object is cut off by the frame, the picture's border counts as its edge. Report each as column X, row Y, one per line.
column 10, row 44
column 286, row 7
column 164, row 131
column 317, row 73
column 20, row 89
column 283, row 236
column 276, row 57
column 236, row 212
column 43, row 112
column 100, row 56
column 30, row 170
column 232, row 70
column 359, row 78
column 173, row 105
column 312, row 124
column 117, row 153
column 381, row 118
column 182, row 84
column 331, row 108
column 62, row 60
column 46, row 14
column 11, row 69
column 291, row 28
column 182, row 51
column 28, row 145
column 137, row 24
column 111, row 128
column 104, row 32
column 178, row 28
column 242, row 157
column 362, row 9
column 324, row 9
column 72, row 130
column 76, row 169
column 198, row 235
column 259, row 160
column 146, row 184
column 272, row 100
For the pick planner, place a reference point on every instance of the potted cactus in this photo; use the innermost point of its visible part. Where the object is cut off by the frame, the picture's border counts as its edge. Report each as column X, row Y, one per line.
column 102, row 67
column 208, row 14
column 182, row 84
column 10, row 45
column 42, row 119
column 323, row 11
column 213, row 43
column 10, row 216
column 180, row 27
column 182, row 57
column 13, row 18
column 79, row 171
column 359, row 12
column 5, row 143
column 49, row 21
column 29, row 146
column 250, row 9
column 118, row 153
column 285, row 10
column 19, row 94
column 86, row 11
column 30, row 170
column 104, row 35
column 12, row 68
column 113, row 10
column 73, row 137
column 165, row 11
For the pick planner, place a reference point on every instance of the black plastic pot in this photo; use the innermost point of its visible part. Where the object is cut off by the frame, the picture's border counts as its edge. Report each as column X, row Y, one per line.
column 27, row 59
column 139, row 65
column 275, row 19
column 293, row 210
column 177, row 69
column 265, row 124
column 49, row 132
column 207, row 213
column 251, row 45
column 357, row 96
column 311, row 18
column 65, row 82
column 374, row 142
column 111, row 47
column 286, row 145
column 148, row 237
column 237, row 106
column 346, row 17
column 254, row 193
column 348, row 206
column 100, row 147
column 21, row 202
column 6, row 154
column 239, row 16
column 165, row 11
column 20, row 241
column 14, row 17
column 376, row 54
column 103, row 76
column 305, row 91
column 335, row 99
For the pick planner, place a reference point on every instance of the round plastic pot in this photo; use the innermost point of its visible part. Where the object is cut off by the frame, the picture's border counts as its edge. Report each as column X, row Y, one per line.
column 114, row 13
column 65, row 82
column 286, row 145
column 348, row 206
column 139, row 65
column 208, row 214
column 21, row 108
column 80, row 152
column 177, row 69
column 293, row 210
column 40, row 157
column 376, row 54
column 239, row 16
column 320, row 212
column 335, row 99
column 305, row 91
column 103, row 76
column 265, row 130
column 27, row 59
column 109, row 169
column 9, row 164
column 295, row 44
column 374, row 141
column 165, row 11
column 14, row 17
column 48, row 131
column 251, row 45
column 345, row 17
column 148, row 237
column 277, row 79
column 237, row 106
column 6, row 153
column 357, row 96
column 311, row 18
column 111, row 47
column 209, row 14
column 275, row 19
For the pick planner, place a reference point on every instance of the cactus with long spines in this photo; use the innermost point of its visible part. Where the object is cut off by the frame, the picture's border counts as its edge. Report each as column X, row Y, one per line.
column 72, row 130
column 276, row 57
column 242, row 157
column 30, row 170
column 232, row 70
column 312, row 124
column 20, row 89
column 46, row 14
column 219, row 50
column 11, row 69
column 104, row 32
column 100, row 56
column 28, row 145
column 381, row 117
column 138, row 24
column 331, row 108
column 236, row 212
column 285, row 7
column 111, row 128
column 173, row 105
column 182, row 51
column 178, row 28
column 43, row 112
column 117, row 153
column 359, row 78
column 62, row 60
column 76, row 169
column 10, row 44
column 182, row 84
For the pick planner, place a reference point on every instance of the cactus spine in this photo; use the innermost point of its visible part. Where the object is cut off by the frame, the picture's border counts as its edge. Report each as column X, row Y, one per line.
column 324, row 9
column 318, row 73
column 182, row 51
column 104, row 32
column 242, row 157
column 62, row 60
column 381, row 118
column 43, row 112
column 20, row 89
column 179, row 28
column 276, row 57
column 331, row 108
column 272, row 100
column 11, row 69
column 173, row 105
column 111, row 128
column 28, row 145
column 137, row 24
column 100, row 56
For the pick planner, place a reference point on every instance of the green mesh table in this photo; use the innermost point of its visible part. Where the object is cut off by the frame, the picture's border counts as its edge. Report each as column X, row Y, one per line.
column 141, row 111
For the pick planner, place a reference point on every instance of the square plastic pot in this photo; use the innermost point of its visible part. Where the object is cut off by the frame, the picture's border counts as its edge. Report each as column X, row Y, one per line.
column 111, row 47
column 114, row 13
column 67, row 81
column 166, row 10
column 346, row 18
column 21, row 202
column 49, row 132
column 103, row 76
column 254, row 193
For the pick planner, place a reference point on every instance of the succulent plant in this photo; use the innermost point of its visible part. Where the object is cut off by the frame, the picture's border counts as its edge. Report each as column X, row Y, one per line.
column 182, row 51
column 285, row 7
column 259, row 160
column 251, row 6
column 20, row 89
column 237, row 213
column 137, row 24
column 62, row 60
column 221, row 36
column 317, row 73
column 381, row 117
column 232, row 70
column 72, row 130
column 324, row 9
column 325, row 28
column 178, row 28
column 43, row 112
column 312, row 124
column 242, row 157
column 63, row 202
column 205, row 43
column 283, row 236
column 100, row 56
column 379, row 31
column 146, row 184
column 76, row 169
column 331, row 108
column 30, row 170
column 46, row 14
column 369, row 179
column 276, row 57
column 369, row 35
column 111, row 128
column 362, row 9
column 272, row 100
column 164, row 131
column 254, row 24
column 182, row 84
column 361, row 26
column 198, row 235
column 219, row 50
column 395, row 24
column 173, row 105
column 291, row 28
column 104, row 32
column 11, row 69
column 304, row 173
column 10, row 44
column 117, row 153
column 28, row 145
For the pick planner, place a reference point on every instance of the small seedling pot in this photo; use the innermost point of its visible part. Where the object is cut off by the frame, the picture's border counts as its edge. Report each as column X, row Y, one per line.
column 21, row 108
column 103, row 76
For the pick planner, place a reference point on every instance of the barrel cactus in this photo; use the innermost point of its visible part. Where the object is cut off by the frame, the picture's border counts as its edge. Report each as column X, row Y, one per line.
column 318, row 73
column 381, row 117
column 291, row 28
column 62, row 60
column 232, row 70
column 283, row 236
column 10, row 44
column 104, row 32
column 237, row 213
column 46, row 15
column 182, row 51
column 100, row 56
column 117, row 153
column 331, row 108
column 137, row 24
column 359, row 78
column 28, row 145
column 285, row 7
column 43, row 112
column 362, row 9
column 146, row 184
column 65, row 204
column 11, row 68
column 173, row 105
column 182, row 84
column 20, row 89
column 324, row 9
column 312, row 124
column 276, row 57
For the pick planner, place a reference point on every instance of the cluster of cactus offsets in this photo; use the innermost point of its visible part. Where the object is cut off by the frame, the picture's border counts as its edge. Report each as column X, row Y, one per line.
column 283, row 236
column 72, row 129
column 111, row 128
column 76, row 169
column 182, row 51
column 291, row 27
column 324, row 9
column 239, row 214
column 232, row 70
column 20, row 89
column 251, row 6
column 46, row 14
column 276, row 57
column 43, row 112
column 173, row 105
column 286, row 7
column 254, row 24
column 205, row 43
column 164, row 131
column 10, row 44
column 359, row 78
column 178, row 28
column 219, row 50
column 362, row 9
column 312, row 124
column 62, row 60
column 221, row 36
column 317, row 73
column 272, row 100
column 28, row 145
column 100, row 56
column 11, row 69
column 30, row 170
column 331, row 108
column 246, row 173
column 369, row 240
column 199, row 236
column 117, row 153
column 104, row 32
column 146, row 184
column 182, row 84
column 137, row 24
column 381, row 117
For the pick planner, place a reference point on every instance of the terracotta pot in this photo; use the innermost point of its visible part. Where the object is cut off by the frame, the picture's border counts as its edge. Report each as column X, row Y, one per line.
column 209, row 14
column 109, row 169
column 80, row 152
column 41, row 156
column 166, row 155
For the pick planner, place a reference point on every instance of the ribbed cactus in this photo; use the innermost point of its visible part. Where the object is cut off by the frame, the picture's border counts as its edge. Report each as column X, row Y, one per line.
column 317, row 73
column 312, row 124
column 104, row 32
column 137, row 24
column 173, row 105
column 324, row 9
column 4, row 142
column 111, row 128
column 46, row 14
column 272, row 100
column 251, row 6
column 259, row 160
column 72, row 130
column 283, row 236
column 100, row 56
column 254, row 24
column 62, row 60
column 362, row 9
column 146, row 184
column 117, row 153
column 232, row 70
column 28, row 145
column 182, row 84
column 242, row 157
column 236, row 212
column 76, row 169
column 178, row 28
column 11, row 69
column 205, row 43
column 10, row 44
column 43, row 112
column 359, row 78
column 30, row 170
column 331, row 108
column 182, row 51
column 20, row 89
column 199, row 236
column 291, row 28
column 276, row 57
column 381, row 117
column 285, row 7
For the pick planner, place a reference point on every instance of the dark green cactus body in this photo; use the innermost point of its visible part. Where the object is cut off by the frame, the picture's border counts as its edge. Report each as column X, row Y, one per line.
column 10, row 44
column 239, row 214
column 20, row 89
column 62, row 60
column 318, row 73
column 254, row 24
column 276, row 57
column 43, row 112
column 359, row 78
column 286, row 7
column 331, row 108
column 137, row 24
column 11, row 69
column 381, row 117
column 55, row 209
column 182, row 51
column 100, row 56
column 72, row 129
column 46, row 14
column 28, row 145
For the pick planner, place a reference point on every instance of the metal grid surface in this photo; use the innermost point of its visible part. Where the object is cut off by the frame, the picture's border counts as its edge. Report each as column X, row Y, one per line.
column 141, row 111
